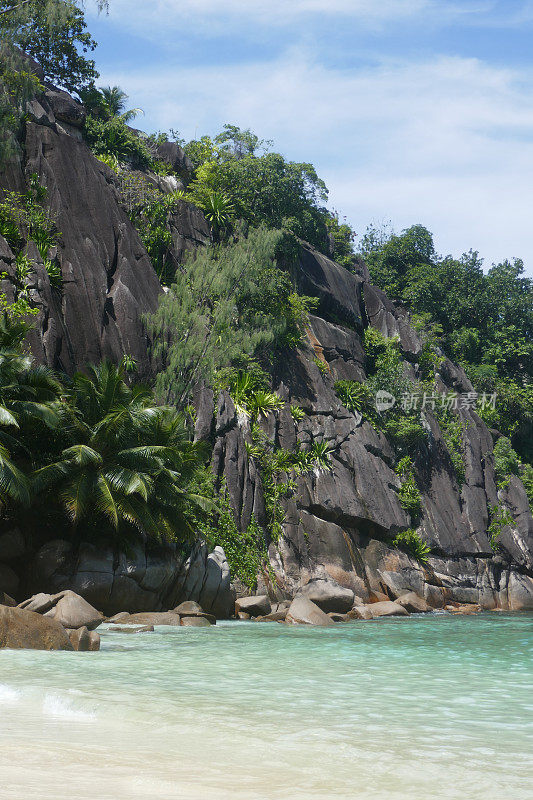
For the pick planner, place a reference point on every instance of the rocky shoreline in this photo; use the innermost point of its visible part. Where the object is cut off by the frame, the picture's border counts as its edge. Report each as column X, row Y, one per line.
column 66, row 621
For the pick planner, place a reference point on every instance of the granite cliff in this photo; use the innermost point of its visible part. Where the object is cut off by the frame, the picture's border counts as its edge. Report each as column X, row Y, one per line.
column 339, row 523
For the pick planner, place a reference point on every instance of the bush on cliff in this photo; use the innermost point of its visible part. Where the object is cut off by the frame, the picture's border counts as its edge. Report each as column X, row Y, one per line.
column 227, row 305
column 267, row 189
column 485, row 320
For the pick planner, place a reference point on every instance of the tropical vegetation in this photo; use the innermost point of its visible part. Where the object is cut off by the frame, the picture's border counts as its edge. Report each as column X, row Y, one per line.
column 92, row 454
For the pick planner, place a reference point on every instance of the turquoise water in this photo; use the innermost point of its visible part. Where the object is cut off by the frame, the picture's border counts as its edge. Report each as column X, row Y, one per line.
column 400, row 709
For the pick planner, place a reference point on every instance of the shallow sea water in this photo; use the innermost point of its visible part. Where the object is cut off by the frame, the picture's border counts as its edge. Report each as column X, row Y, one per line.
column 430, row 707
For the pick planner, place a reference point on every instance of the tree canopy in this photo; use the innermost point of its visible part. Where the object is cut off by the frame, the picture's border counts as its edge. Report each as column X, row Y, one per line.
column 483, row 320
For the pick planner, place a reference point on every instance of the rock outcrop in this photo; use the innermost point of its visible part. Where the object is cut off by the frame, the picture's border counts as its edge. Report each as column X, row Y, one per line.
column 339, row 524
column 67, row 608
column 26, row 630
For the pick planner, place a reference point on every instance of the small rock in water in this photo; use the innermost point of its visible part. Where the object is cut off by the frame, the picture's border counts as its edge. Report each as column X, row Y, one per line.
column 387, row 609
column 189, row 607
column 360, row 612
column 152, row 618
column 340, row 617
column 196, row 621
column 144, row 629
column 84, row 640
column 275, row 616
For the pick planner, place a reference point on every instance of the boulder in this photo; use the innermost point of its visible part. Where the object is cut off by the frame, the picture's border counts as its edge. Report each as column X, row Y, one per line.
column 387, row 609
column 84, row 640
column 144, row 629
column 65, row 108
column 39, row 603
column 340, row 617
column 435, row 596
column 26, row 630
column 209, row 617
column 520, row 592
column 379, row 597
column 303, row 611
column 153, row 618
column 328, row 595
column 413, row 603
column 242, row 615
column 360, row 612
column 188, row 607
column 6, row 600
column 122, row 616
column 284, row 605
column 274, row 616
column 195, row 621
column 72, row 611
column 257, row 606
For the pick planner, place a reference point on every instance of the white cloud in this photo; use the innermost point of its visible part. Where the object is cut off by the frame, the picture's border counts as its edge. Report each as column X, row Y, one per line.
column 447, row 142
column 168, row 14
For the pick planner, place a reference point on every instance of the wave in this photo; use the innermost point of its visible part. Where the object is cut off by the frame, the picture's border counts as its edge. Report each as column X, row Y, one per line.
column 8, row 694
column 54, row 705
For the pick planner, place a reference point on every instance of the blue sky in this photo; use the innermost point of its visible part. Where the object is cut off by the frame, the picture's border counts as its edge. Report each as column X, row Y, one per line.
column 413, row 111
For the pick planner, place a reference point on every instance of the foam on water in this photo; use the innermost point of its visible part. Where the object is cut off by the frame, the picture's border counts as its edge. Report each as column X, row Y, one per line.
column 434, row 707
column 62, row 707
column 8, row 695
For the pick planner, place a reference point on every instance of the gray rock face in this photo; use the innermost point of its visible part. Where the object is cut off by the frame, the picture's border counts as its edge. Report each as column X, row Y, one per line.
column 25, row 630
column 9, row 580
column 339, row 524
column 145, row 580
column 108, row 280
column 328, row 595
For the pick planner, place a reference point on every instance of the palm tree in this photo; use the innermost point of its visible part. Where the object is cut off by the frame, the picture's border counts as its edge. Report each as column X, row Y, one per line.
column 129, row 466
column 115, row 100
column 29, row 403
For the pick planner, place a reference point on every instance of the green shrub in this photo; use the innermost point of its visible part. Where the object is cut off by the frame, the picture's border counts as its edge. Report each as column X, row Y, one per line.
column 412, row 543
column 499, row 519
column 406, row 432
column 526, row 475
column 297, row 413
column 409, row 494
column 356, row 397
column 453, row 430
column 506, row 461
column 112, row 137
